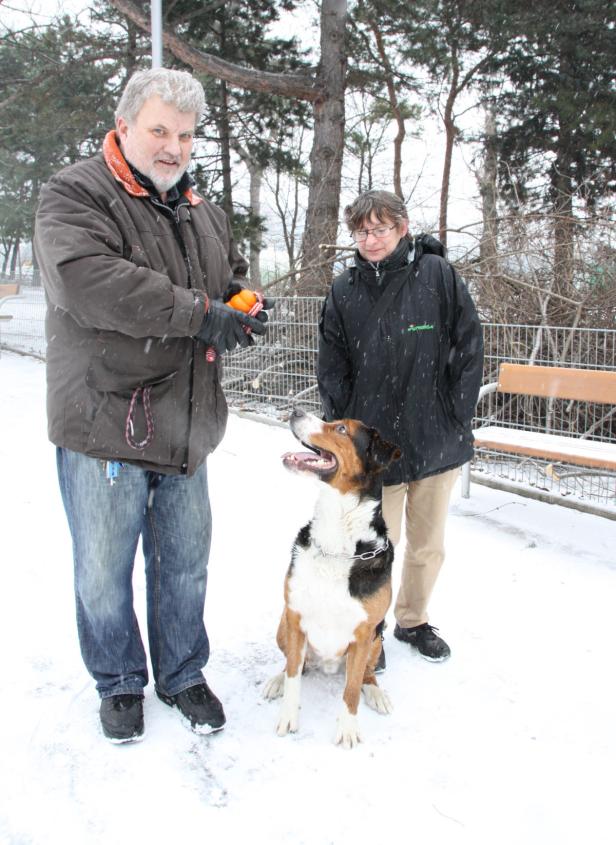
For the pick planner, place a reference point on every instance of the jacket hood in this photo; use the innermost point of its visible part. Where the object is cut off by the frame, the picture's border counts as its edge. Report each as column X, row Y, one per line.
column 122, row 173
column 427, row 244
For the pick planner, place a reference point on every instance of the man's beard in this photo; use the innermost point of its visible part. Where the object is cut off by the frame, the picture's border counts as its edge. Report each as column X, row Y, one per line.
column 162, row 183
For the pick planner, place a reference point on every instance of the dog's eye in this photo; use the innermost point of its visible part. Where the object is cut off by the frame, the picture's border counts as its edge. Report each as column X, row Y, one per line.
column 341, row 429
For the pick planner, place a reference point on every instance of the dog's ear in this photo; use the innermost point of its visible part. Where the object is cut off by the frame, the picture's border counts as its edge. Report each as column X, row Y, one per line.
column 382, row 451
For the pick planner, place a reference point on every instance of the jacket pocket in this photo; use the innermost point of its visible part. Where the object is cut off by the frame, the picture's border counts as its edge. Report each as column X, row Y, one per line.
column 447, row 407
column 134, row 419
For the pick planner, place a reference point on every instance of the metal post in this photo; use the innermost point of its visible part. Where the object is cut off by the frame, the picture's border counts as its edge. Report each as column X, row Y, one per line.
column 156, row 15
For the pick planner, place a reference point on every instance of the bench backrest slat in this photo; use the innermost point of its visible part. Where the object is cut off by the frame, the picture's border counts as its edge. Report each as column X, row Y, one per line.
column 558, row 382
column 9, row 290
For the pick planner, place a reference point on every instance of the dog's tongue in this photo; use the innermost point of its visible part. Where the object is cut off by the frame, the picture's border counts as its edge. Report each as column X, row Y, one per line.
column 309, row 460
column 299, row 457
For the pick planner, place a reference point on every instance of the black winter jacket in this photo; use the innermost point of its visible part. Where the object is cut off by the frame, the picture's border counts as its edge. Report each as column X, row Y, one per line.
column 414, row 374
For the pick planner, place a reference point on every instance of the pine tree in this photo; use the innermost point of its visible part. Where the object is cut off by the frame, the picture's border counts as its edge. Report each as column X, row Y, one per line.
column 56, row 103
column 556, row 134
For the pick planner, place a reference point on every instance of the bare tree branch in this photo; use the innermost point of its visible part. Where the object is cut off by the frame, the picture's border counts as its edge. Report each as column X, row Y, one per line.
column 296, row 85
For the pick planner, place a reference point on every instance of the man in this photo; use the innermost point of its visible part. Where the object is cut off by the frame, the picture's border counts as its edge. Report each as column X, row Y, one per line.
column 400, row 348
column 135, row 265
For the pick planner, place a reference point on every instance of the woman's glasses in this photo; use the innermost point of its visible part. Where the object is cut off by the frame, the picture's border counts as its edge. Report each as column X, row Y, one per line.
column 360, row 235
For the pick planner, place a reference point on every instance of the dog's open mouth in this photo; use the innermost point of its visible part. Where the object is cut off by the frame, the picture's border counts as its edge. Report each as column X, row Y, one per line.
column 319, row 461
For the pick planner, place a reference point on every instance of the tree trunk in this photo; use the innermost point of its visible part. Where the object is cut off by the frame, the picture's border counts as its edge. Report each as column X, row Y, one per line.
column 15, row 258
column 255, row 173
column 562, row 205
column 488, row 248
column 288, row 222
column 327, row 151
column 562, row 208
column 7, row 245
column 563, row 230
column 450, row 134
column 256, row 180
column 130, row 56
column 395, row 108
column 224, row 136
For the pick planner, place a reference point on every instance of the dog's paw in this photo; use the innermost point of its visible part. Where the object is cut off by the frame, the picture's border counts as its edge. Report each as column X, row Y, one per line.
column 347, row 733
column 288, row 721
column 274, row 687
column 377, row 699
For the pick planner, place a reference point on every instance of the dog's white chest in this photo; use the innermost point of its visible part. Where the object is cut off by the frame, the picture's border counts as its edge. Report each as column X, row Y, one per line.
column 319, row 592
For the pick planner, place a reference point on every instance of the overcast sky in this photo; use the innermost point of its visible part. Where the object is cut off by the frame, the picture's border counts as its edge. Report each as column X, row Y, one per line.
column 20, row 12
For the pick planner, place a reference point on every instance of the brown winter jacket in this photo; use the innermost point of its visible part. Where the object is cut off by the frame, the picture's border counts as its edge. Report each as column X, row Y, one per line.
column 122, row 312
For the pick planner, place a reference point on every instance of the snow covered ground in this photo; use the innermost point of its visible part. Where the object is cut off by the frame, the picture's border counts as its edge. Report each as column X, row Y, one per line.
column 513, row 740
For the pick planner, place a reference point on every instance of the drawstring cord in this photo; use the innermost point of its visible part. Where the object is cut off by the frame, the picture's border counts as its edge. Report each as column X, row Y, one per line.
column 144, row 392
column 149, row 420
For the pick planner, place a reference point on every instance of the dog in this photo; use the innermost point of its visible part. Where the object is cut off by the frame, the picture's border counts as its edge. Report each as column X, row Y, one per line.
column 338, row 586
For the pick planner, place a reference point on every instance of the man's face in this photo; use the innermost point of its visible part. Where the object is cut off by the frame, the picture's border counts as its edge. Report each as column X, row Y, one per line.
column 158, row 142
column 375, row 248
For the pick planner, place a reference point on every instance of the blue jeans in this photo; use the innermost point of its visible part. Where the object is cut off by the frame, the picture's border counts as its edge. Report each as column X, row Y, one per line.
column 171, row 513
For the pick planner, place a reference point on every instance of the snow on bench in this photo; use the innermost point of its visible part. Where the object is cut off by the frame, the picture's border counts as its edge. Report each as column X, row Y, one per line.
column 555, row 447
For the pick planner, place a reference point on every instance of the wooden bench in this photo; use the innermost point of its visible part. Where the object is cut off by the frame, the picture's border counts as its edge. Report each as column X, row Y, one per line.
column 596, row 386
column 8, row 290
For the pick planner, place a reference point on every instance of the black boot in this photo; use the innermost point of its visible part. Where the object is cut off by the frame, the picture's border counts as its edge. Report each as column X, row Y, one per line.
column 425, row 639
column 199, row 706
column 122, row 717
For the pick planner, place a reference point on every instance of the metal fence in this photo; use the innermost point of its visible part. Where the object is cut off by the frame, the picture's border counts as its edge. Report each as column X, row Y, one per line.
column 271, row 377
column 22, row 321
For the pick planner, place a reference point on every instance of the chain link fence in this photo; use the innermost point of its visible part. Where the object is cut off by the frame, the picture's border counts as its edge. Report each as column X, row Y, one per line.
column 272, row 376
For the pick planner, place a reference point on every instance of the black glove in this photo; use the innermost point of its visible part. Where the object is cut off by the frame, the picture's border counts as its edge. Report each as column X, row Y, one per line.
column 266, row 303
column 223, row 327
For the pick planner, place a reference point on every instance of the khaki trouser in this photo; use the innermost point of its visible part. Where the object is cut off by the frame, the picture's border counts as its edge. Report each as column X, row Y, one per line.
column 427, row 502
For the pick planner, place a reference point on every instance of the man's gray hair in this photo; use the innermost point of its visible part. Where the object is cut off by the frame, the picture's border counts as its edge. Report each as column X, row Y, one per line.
column 175, row 87
column 385, row 206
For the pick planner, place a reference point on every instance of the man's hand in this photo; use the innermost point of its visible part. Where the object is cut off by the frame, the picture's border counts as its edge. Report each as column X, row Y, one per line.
column 223, row 327
column 246, row 297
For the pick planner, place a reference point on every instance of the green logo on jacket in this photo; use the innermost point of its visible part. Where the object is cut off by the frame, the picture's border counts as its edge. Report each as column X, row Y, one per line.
column 422, row 328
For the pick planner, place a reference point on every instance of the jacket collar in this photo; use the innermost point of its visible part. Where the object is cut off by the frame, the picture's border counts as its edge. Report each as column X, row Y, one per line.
column 123, row 174
column 401, row 257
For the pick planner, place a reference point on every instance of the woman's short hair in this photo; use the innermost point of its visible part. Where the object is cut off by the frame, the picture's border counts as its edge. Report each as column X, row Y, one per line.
column 175, row 87
column 383, row 204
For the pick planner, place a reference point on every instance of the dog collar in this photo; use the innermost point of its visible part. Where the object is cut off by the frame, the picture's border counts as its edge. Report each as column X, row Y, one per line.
column 374, row 553
column 363, row 556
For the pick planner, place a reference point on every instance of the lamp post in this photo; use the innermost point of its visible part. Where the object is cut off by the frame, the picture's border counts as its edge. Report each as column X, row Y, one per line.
column 156, row 16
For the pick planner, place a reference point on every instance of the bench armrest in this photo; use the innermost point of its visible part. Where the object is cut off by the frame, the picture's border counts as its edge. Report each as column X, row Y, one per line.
column 465, row 475
column 10, row 297
column 487, row 388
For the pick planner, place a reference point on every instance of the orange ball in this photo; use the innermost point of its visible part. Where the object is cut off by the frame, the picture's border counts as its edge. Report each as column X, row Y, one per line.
column 243, row 301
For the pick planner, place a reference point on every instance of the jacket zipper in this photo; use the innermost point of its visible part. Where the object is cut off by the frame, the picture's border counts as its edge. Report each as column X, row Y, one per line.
column 177, row 231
